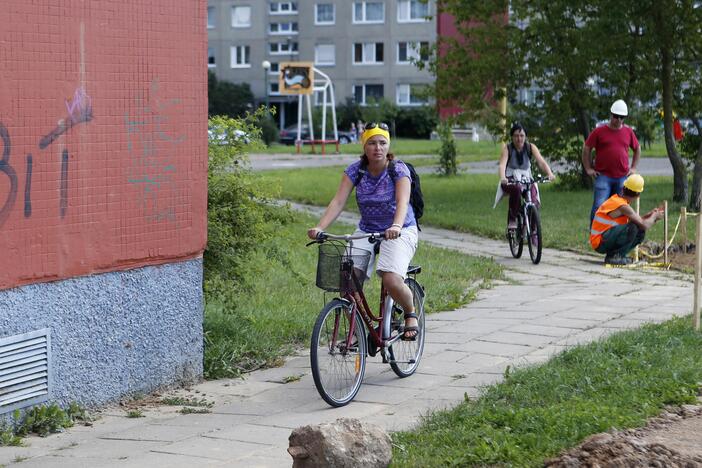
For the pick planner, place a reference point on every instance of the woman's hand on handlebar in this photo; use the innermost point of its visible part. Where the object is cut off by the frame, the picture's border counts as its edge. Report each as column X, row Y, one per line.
column 393, row 232
column 312, row 233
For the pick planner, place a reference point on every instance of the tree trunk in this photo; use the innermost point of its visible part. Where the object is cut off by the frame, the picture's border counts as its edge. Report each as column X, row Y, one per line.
column 584, row 127
column 679, row 169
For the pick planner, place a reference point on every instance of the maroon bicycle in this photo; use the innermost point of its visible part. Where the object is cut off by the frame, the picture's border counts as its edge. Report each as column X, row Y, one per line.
column 347, row 331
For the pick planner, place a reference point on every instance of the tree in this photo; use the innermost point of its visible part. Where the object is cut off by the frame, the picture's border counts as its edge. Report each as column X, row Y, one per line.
column 545, row 44
column 225, row 98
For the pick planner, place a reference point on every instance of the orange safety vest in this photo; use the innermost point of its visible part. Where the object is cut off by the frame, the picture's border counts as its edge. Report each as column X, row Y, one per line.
column 604, row 221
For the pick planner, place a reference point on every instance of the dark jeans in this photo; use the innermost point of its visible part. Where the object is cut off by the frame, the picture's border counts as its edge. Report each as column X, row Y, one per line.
column 515, row 194
column 620, row 240
column 604, row 188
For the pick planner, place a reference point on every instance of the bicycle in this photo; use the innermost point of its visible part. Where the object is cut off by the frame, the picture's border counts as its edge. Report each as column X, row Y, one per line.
column 528, row 223
column 345, row 332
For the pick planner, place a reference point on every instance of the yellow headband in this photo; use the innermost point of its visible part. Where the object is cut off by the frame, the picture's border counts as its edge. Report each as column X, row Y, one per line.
column 372, row 132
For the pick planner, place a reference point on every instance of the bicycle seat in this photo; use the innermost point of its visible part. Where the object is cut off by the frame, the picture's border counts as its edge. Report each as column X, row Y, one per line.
column 414, row 269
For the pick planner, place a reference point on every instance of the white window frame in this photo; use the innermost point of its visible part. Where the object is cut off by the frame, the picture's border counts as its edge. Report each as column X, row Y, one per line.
column 364, row 14
column 414, row 49
column 364, row 53
column 274, row 69
column 242, row 25
column 274, row 85
column 408, row 9
column 292, row 28
column 291, row 8
column 214, row 56
column 316, row 15
column 234, row 52
column 364, row 98
column 316, row 55
column 213, row 17
column 279, row 48
column 406, row 88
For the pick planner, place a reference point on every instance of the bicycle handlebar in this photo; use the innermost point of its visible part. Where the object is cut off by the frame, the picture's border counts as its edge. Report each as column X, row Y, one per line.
column 372, row 236
column 538, row 179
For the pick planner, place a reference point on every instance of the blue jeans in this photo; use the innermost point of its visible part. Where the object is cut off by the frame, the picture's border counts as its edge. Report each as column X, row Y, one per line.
column 604, row 188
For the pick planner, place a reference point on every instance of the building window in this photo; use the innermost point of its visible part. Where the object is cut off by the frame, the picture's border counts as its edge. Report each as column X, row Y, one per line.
column 282, row 8
column 241, row 56
column 324, row 55
column 324, row 14
column 274, row 89
column 283, row 28
column 368, row 53
column 412, row 11
column 367, row 93
column 241, row 17
column 211, row 58
column 281, row 48
column 411, row 95
column 210, row 17
column 275, row 68
column 368, row 12
column 412, row 51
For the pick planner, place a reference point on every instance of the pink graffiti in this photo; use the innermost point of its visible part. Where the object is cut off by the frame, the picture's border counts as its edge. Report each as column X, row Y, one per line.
column 79, row 107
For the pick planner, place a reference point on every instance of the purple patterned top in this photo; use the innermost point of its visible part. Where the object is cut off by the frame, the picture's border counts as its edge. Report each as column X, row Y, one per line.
column 376, row 198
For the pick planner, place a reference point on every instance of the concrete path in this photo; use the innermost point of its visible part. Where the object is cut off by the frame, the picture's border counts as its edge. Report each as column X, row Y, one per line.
column 263, row 162
column 566, row 300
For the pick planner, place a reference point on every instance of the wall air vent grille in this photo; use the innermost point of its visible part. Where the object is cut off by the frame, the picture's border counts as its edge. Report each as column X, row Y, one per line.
column 24, row 369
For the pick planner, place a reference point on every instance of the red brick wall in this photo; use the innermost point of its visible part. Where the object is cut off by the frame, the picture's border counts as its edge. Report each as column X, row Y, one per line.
column 103, row 121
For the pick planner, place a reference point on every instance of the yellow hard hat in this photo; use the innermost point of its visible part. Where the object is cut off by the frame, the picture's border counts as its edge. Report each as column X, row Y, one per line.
column 635, row 183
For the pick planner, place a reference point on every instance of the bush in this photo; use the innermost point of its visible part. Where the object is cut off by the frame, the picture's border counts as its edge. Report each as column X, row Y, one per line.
column 239, row 208
column 381, row 111
column 348, row 113
column 269, row 129
column 447, row 153
column 416, row 122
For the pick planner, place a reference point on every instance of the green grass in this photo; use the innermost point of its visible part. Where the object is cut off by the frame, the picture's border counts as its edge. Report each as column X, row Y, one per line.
column 538, row 411
column 467, row 150
column 464, row 203
column 276, row 315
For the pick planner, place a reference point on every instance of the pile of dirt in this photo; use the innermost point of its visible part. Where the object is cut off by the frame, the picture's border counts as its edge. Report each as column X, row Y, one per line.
column 680, row 257
column 673, row 439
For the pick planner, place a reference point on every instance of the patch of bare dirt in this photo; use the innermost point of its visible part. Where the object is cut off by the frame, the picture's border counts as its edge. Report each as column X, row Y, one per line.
column 673, row 439
column 680, row 257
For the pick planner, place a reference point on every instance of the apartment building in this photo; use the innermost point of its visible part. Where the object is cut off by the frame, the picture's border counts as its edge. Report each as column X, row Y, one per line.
column 366, row 47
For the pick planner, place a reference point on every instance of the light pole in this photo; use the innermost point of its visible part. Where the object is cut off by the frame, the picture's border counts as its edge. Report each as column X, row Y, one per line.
column 266, row 66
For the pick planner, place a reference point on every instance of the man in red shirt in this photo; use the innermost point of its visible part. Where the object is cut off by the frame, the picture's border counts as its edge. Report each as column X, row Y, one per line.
column 611, row 143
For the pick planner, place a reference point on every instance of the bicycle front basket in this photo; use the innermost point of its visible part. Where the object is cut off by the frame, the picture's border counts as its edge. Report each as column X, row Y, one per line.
column 335, row 262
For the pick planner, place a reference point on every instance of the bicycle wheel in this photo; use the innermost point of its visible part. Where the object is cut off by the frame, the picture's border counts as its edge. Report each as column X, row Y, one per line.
column 516, row 238
column 405, row 355
column 337, row 369
column 534, row 234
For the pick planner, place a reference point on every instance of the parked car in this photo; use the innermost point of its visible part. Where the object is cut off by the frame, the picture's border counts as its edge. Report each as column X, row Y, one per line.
column 221, row 138
column 288, row 135
column 688, row 126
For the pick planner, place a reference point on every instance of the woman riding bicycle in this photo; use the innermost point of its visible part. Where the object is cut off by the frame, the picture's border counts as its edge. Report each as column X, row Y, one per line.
column 515, row 163
column 383, row 201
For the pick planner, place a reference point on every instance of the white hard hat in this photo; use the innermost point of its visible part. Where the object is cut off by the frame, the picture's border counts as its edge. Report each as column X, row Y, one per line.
column 619, row 108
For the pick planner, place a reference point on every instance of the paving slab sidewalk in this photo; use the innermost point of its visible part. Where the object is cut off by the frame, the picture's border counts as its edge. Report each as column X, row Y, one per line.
column 539, row 312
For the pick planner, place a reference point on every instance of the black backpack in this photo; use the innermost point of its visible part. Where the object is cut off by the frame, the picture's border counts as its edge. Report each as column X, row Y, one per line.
column 416, row 197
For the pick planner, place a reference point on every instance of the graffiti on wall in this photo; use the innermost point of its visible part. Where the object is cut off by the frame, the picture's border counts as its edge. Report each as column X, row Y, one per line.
column 150, row 146
column 79, row 111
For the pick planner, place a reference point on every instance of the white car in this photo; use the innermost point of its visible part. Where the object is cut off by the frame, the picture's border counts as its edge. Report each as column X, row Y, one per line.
column 220, row 138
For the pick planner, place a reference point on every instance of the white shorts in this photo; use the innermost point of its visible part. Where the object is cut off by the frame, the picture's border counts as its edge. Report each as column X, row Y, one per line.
column 395, row 254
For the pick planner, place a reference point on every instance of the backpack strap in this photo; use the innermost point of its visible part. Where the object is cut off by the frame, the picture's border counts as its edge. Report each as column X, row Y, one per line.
column 392, row 171
column 362, row 169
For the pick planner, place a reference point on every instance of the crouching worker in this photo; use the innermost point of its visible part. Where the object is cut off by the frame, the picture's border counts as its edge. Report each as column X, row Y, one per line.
column 617, row 228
